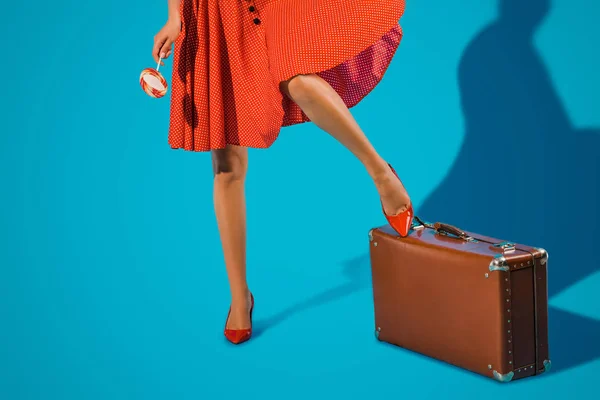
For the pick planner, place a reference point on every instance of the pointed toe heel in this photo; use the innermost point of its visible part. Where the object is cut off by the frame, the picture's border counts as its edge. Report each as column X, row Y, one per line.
column 237, row 336
column 401, row 222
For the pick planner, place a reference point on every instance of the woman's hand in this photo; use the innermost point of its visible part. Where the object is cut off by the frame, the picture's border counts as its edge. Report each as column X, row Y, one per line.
column 164, row 39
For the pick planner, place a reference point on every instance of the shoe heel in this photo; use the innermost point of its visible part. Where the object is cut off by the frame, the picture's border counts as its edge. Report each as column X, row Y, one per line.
column 401, row 222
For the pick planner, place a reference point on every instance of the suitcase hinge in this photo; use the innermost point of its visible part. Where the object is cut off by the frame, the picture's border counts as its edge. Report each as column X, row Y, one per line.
column 499, row 264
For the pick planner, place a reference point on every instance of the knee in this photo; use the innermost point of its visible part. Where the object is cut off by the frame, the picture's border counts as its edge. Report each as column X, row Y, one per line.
column 299, row 88
column 230, row 165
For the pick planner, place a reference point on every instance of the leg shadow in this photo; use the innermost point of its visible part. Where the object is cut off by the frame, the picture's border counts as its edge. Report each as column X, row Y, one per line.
column 358, row 275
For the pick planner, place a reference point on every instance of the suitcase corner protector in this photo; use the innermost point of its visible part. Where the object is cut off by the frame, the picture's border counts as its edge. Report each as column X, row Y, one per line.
column 547, row 365
column 503, row 377
column 499, row 263
column 544, row 258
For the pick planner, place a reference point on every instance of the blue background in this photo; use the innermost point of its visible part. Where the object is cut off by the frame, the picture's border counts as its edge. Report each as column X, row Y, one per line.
column 112, row 282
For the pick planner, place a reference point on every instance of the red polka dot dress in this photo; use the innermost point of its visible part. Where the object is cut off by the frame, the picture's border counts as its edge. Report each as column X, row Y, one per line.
column 232, row 55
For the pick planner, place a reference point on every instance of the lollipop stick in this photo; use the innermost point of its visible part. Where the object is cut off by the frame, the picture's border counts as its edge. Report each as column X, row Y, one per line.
column 158, row 66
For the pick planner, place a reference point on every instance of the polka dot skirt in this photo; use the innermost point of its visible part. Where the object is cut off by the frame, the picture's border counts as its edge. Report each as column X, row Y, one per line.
column 232, row 54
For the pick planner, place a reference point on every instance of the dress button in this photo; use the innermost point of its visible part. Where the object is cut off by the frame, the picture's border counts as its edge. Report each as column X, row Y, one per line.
column 251, row 9
column 256, row 21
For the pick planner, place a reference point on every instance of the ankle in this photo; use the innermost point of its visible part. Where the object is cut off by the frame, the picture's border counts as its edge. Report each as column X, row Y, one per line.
column 379, row 170
column 241, row 296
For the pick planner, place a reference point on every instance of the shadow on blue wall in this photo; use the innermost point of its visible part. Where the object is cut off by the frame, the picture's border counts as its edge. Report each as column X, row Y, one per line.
column 524, row 173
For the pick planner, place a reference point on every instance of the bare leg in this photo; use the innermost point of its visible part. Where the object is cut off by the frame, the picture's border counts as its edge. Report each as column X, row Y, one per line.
column 230, row 166
column 321, row 103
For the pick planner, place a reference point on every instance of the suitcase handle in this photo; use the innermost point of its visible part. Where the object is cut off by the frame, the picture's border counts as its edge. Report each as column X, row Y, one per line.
column 446, row 228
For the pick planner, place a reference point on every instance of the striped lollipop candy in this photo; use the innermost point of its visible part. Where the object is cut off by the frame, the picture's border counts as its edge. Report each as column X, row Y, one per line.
column 153, row 83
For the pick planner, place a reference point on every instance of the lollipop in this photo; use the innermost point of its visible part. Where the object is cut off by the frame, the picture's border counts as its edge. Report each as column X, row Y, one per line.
column 153, row 83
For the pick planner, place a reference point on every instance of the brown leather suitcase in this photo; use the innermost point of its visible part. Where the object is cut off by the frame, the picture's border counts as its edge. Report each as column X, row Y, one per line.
column 472, row 301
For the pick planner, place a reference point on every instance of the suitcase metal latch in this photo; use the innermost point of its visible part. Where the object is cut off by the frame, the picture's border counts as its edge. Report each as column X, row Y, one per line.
column 506, row 247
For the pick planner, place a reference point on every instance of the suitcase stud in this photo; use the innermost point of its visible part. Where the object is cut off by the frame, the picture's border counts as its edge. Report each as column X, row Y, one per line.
column 503, row 377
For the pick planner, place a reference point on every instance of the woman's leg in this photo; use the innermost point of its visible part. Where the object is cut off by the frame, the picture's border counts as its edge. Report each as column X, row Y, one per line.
column 322, row 104
column 229, row 166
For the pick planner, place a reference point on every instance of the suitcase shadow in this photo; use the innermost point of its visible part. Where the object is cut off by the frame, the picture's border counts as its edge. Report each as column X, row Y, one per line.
column 570, row 339
column 573, row 339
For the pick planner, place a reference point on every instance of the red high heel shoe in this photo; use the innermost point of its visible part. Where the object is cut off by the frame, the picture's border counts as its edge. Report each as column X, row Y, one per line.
column 237, row 336
column 401, row 222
